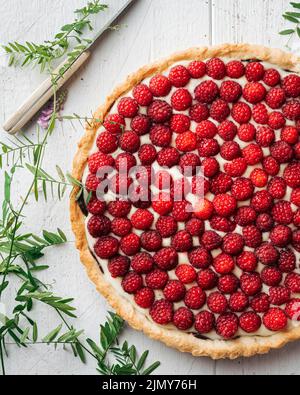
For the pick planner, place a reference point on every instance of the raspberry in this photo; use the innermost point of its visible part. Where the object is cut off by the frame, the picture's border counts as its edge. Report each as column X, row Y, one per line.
column 291, row 85
column 179, row 76
column 259, row 178
column 219, row 110
column 228, row 284
column 230, row 150
column 253, row 154
column 181, row 99
column 160, row 111
column 106, row 247
column 206, row 92
column 271, row 166
column 166, row 226
column 119, row 266
column 195, row 227
column 180, row 123
column 271, row 77
column 235, row 69
column 203, row 209
column 282, row 212
column 199, row 112
column 221, row 184
column 181, row 210
column 230, row 91
column 281, row 151
column 119, row 184
column 276, row 120
column 254, row 92
column 119, row 208
column 140, row 124
column 260, row 303
column 222, row 224
column 186, row 141
column 292, row 309
column 296, row 220
column 206, row 129
column 174, row 291
column 290, row 135
column 297, row 150
column 151, row 240
column 142, row 263
column 98, row 226
column 156, row 279
column 281, row 235
column 227, row 130
column 291, row 110
column 168, row 157
column 147, row 154
column 267, row 254
column 210, row 167
column 166, row 258
column 227, row 325
column 207, row 279
column 183, row 318
column 245, row 216
column 295, row 197
column 160, row 85
column 215, row 68
column 204, row 322
column 265, row 136
column 197, row 69
column 262, row 201
column 246, row 132
column 162, row 312
column 130, row 244
column 275, row 319
column 92, row 182
column 292, row 174
column 287, row 261
column 162, row 203
column 182, row 241
column 250, row 322
column 107, row 142
column 224, row 205
column 275, row 98
column 233, row 243
column 132, row 282
column 189, row 163
column 195, row 298
column 271, row 276
column 114, row 123
column 200, row 258
column 211, row 240
column 251, row 283
column 252, row 236
column 223, row 263
column 242, row 189
column 217, row 303
column 260, row 114
column 186, row 273
column 236, row 168
column 247, row 261
column 144, row 298
column 128, row 107
column 279, row 295
column 142, row 95
column 208, row 147
column 254, row 71
column 161, row 135
column 130, row 142
column 277, row 187
column 292, row 281
column 238, row 302
column 124, row 162
column 96, row 207
column 121, row 226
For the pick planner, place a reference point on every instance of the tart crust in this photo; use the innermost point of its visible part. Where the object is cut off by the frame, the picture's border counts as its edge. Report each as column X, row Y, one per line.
column 186, row 342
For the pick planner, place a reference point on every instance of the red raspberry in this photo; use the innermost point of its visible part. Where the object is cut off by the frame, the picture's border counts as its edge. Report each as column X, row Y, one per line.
column 233, row 243
column 223, row 263
column 130, row 244
column 199, row 112
column 128, row 107
column 245, row 216
column 168, row 157
column 130, row 142
column 107, row 142
column 251, row 283
column 203, row 209
column 271, row 166
column 186, row 141
column 254, row 71
column 204, row 322
column 156, row 279
column 279, row 295
column 142, row 263
column 124, row 162
column 275, row 319
column 267, row 254
column 238, row 302
column 222, row 224
column 281, row 151
column 119, row 208
column 277, row 187
column 265, row 136
column 119, row 266
column 211, row 240
column 132, row 282
column 162, row 312
column 291, row 110
column 119, row 184
column 189, row 163
column 207, row 279
column 215, row 68
column 142, row 95
column 292, row 174
column 186, row 273
column 262, row 201
column 95, row 206
column 221, row 184
column 260, row 114
column 206, row 92
column 151, row 240
column 281, row 235
column 292, row 281
column 295, row 197
column 252, row 236
column 183, row 318
column 276, row 120
column 287, row 261
column 235, row 69
column 292, row 309
column 162, row 203
column 195, row 227
column 253, row 154
column 166, row 226
column 246, row 132
column 166, row 258
column 265, row 222
column 242, row 189
column 236, row 168
column 179, row 76
column 250, row 322
column 144, row 298
column 182, row 241
column 197, row 69
column 160, row 111
column 271, row 276
column 260, row 303
column 106, row 247
column 195, row 298
column 290, row 135
column 181, row 99
column 224, row 205
column 219, row 110
column 147, row 154
column 210, row 167
column 200, row 258
column 297, row 219
column 271, row 77
column 121, row 226
column 208, row 147
column 254, row 92
column 206, row 129
column 291, row 85
column 228, row 284
column 160, row 135
column 227, row 130
column 275, row 98
column 230, row 150
column 140, row 124
column 227, row 325
column 181, row 210
column 160, row 85
column 259, row 178
column 98, row 160
column 217, row 303
column 114, row 123
column 283, row 213
column 98, row 226
column 247, row 261
column 230, row 91
column 174, row 291
column 180, row 123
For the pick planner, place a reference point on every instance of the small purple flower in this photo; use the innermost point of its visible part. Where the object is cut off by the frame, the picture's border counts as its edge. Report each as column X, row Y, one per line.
column 47, row 112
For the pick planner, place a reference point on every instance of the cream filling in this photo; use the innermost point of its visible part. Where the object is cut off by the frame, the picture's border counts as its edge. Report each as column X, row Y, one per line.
column 116, row 283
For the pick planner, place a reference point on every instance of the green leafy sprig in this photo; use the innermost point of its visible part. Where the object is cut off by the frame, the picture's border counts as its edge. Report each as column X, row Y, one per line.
column 293, row 17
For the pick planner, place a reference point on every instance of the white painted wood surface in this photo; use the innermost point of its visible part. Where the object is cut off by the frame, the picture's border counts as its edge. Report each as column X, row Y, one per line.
column 152, row 29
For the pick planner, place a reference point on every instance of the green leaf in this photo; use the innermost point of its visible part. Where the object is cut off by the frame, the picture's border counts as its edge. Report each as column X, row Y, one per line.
column 151, row 368
column 7, row 185
column 290, row 18
column 295, row 5
column 142, row 360
column 3, row 286
column 80, row 352
column 34, row 332
column 52, row 335
column 287, row 32
column 24, row 336
column 295, row 14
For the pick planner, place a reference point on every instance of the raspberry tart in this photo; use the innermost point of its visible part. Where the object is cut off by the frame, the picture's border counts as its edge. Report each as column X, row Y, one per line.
column 190, row 220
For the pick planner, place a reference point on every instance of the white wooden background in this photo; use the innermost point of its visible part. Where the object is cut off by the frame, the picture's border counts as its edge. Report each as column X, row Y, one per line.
column 152, row 29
